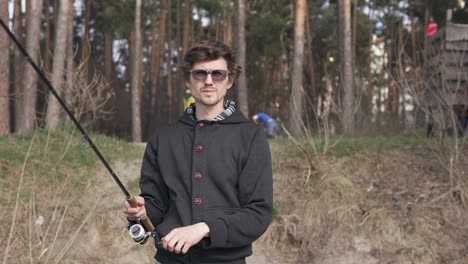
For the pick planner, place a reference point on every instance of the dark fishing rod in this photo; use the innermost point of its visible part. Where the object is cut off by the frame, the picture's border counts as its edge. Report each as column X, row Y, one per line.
column 135, row 232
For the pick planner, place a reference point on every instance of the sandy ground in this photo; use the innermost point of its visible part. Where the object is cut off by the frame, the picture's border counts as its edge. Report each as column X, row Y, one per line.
column 263, row 256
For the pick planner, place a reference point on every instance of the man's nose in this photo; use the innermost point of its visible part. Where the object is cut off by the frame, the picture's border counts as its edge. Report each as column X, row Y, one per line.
column 208, row 79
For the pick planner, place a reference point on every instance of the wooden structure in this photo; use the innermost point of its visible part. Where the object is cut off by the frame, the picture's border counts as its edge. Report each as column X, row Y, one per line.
column 446, row 74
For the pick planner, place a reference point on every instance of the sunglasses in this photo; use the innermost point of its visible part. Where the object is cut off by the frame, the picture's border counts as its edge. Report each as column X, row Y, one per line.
column 216, row 75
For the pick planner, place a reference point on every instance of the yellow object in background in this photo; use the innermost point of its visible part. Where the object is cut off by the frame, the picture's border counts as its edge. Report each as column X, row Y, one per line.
column 188, row 99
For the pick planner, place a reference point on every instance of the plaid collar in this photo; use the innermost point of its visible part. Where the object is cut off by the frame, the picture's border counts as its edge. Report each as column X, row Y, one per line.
column 229, row 109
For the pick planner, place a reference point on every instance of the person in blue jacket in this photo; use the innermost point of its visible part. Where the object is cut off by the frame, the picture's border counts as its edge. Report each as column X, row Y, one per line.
column 268, row 122
column 206, row 179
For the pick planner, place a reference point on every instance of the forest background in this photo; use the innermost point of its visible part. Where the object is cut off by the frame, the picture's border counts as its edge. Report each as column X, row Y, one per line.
column 357, row 65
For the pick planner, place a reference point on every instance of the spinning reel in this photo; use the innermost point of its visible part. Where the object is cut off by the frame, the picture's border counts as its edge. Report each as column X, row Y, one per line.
column 139, row 234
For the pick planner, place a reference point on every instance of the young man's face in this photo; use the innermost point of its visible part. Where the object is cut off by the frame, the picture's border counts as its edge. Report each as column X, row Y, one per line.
column 209, row 90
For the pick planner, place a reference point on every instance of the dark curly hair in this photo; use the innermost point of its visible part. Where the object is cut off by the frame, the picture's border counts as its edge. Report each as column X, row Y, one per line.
column 211, row 50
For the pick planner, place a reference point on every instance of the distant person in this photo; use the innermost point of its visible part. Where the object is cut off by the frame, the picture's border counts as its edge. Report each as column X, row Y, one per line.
column 463, row 124
column 464, row 120
column 268, row 122
column 188, row 99
column 430, row 123
column 461, row 112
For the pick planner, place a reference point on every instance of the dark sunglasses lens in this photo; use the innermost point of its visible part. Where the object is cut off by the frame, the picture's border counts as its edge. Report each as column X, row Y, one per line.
column 218, row 75
column 199, row 75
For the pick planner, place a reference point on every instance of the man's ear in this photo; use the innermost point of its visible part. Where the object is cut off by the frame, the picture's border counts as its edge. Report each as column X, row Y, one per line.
column 230, row 84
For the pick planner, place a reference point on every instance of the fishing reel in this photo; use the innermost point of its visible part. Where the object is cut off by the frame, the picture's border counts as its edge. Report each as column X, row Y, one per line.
column 139, row 234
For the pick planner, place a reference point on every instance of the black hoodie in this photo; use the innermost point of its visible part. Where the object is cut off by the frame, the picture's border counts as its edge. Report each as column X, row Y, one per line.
column 217, row 172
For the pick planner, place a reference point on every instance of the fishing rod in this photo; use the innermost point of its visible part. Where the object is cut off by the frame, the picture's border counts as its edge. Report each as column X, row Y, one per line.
column 142, row 229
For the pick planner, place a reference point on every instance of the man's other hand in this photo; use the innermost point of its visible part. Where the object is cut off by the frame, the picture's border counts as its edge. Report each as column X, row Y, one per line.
column 179, row 240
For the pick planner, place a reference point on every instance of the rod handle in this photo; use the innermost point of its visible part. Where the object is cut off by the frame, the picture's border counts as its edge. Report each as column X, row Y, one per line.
column 144, row 220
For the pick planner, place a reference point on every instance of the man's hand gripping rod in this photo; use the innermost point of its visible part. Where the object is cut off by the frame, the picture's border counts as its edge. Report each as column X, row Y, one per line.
column 141, row 233
column 135, row 231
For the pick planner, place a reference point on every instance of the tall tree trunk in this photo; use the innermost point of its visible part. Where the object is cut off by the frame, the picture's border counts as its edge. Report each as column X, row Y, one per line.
column 141, row 75
column 346, row 79
column 30, row 76
column 170, row 95
column 419, row 71
column 216, row 20
column 427, row 16
column 108, row 64
column 187, row 27
column 69, row 58
column 158, row 57
column 393, row 49
column 179, row 83
column 310, row 58
column 178, row 38
column 283, row 67
column 4, row 72
column 354, row 32
column 413, row 34
column 53, row 107
column 178, row 26
column 108, row 50
column 18, row 26
column 136, row 106
column 156, row 53
column 368, row 92
column 243, row 91
column 414, row 55
column 131, row 56
column 85, row 44
column 297, row 93
column 227, row 30
column 47, row 49
column 224, row 26
column 200, row 25
column 153, row 75
column 398, row 77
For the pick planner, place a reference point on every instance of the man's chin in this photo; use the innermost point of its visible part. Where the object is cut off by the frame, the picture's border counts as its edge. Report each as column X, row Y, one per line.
column 210, row 102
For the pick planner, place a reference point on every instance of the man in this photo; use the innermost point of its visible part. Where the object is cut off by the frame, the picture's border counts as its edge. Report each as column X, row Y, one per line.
column 461, row 114
column 268, row 122
column 206, row 180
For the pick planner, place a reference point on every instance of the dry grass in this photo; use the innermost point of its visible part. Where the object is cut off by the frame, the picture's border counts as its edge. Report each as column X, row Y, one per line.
column 49, row 192
column 375, row 206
